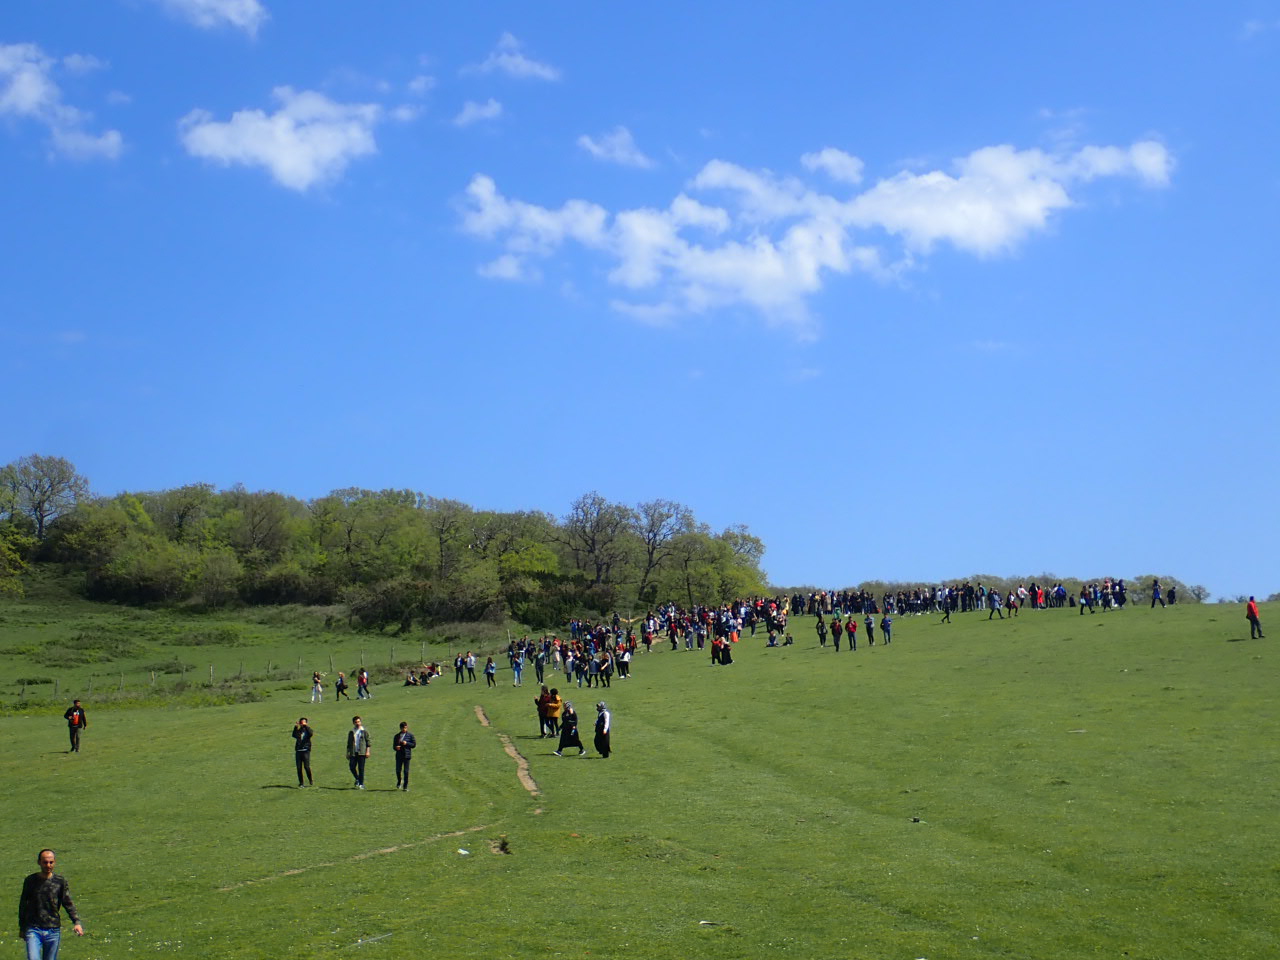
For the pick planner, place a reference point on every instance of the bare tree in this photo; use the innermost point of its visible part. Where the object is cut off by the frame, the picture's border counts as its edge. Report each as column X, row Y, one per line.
column 658, row 523
column 43, row 489
column 595, row 532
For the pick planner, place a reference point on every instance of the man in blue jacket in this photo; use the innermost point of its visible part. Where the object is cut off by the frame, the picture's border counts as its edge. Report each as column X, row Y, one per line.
column 403, row 743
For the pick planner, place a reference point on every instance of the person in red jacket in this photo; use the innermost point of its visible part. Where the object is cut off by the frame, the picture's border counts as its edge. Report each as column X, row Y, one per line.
column 1255, row 624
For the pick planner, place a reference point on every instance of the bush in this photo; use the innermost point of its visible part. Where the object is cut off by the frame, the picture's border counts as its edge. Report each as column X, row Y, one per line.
column 88, row 646
column 213, row 637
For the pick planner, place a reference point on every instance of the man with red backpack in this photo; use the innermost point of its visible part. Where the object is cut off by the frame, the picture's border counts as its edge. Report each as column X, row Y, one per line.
column 1250, row 612
column 76, row 721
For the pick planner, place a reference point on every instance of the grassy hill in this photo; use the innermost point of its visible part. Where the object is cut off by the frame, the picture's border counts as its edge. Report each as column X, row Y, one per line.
column 1055, row 786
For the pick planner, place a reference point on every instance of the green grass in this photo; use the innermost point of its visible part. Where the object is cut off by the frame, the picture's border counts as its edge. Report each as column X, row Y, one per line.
column 1053, row 787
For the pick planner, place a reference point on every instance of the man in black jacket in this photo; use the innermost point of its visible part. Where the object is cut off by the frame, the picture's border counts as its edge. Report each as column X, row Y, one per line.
column 44, row 895
column 76, row 721
column 302, row 734
column 403, row 742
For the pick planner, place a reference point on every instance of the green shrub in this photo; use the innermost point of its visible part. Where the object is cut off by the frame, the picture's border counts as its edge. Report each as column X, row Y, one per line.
column 212, row 637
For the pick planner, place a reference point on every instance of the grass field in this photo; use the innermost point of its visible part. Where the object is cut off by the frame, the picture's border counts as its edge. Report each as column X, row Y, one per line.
column 1052, row 787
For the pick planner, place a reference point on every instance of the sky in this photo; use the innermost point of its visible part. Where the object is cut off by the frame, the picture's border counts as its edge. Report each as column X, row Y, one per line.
column 914, row 291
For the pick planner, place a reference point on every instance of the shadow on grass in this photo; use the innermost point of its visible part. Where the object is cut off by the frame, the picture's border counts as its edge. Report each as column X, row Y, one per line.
column 1238, row 639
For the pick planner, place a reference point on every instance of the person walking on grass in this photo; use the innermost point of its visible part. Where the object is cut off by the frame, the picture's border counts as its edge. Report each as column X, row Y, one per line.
column 994, row 604
column 357, row 750
column 886, row 628
column 1250, row 612
column 871, row 630
column 403, row 743
column 837, row 629
column 604, row 722
column 554, row 706
column 362, row 685
column 45, row 895
column 569, row 731
column 471, row 667
column 540, row 702
column 340, row 687
column 821, row 627
column 302, row 734
column 76, row 722
column 490, row 673
column 1155, row 595
column 317, row 687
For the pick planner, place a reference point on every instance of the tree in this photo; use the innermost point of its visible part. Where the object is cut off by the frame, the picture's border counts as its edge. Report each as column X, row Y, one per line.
column 41, row 489
column 595, row 532
column 657, row 523
column 181, row 513
column 12, row 545
column 447, row 520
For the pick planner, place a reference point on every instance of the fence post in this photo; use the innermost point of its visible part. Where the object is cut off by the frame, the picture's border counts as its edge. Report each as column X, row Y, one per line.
column 211, row 674
column 153, row 678
column 56, row 684
column 331, row 663
column 90, row 693
column 122, row 681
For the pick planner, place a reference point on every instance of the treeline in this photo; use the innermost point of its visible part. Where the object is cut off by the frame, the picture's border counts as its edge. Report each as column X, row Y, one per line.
column 393, row 557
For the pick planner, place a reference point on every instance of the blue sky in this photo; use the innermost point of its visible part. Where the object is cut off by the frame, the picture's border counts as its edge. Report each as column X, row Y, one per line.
column 913, row 291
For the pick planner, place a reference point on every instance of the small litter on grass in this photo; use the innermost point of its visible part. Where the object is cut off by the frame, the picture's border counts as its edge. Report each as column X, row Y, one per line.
column 916, row 820
column 463, row 853
column 708, row 923
column 363, row 940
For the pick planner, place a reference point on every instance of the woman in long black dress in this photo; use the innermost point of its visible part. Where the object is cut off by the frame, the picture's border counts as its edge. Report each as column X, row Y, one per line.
column 569, row 731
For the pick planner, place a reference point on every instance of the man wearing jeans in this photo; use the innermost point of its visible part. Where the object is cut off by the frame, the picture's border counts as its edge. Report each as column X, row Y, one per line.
column 76, row 721
column 44, row 895
column 357, row 750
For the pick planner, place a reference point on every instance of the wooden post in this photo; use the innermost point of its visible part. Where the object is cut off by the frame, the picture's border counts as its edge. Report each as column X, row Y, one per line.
column 90, row 693
column 153, row 678
column 392, row 661
column 211, row 674
column 424, row 651
column 362, row 656
column 121, row 681
column 331, row 663
column 56, row 684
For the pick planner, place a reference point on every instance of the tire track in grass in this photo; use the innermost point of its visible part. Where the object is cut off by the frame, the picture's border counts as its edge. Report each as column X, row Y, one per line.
column 522, row 765
column 381, row 852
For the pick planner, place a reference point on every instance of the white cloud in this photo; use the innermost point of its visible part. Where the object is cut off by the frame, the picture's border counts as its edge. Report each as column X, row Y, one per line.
column 81, row 63
column 246, row 15
column 837, row 164
column 308, row 141
column 421, row 85
column 507, row 267
column 405, row 113
column 773, row 242
column 508, row 57
column 28, row 91
column 616, row 147
column 473, row 112
column 1253, row 28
